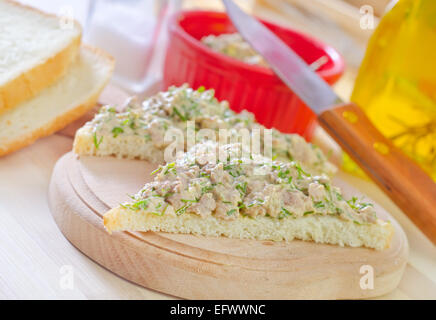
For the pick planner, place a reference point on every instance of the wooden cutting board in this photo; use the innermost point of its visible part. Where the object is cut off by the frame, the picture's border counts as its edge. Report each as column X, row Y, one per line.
column 194, row 267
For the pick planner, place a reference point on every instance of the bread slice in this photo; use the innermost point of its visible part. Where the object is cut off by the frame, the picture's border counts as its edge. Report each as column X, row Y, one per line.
column 141, row 129
column 55, row 107
column 320, row 229
column 248, row 199
column 36, row 50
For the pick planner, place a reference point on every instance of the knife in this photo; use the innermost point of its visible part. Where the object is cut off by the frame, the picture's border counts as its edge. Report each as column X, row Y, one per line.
column 397, row 175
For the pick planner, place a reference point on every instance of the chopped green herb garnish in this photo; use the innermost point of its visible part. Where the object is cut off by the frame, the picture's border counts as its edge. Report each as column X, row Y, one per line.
column 286, row 212
column 300, row 171
column 117, row 131
column 168, row 194
column 230, row 212
column 132, row 124
column 182, row 209
column 204, row 175
column 319, row 204
column 232, row 170
column 97, row 141
column 283, row 174
column 364, row 205
column 352, row 203
column 140, row 204
column 242, row 188
column 256, row 202
column 206, row 189
column 157, row 213
column 228, row 167
column 165, row 209
column 177, row 112
column 170, row 167
column 189, row 201
column 326, row 186
column 156, row 171
column 233, row 174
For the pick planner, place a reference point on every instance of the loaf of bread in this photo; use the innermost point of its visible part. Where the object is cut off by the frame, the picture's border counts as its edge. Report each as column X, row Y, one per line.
column 61, row 103
column 36, row 50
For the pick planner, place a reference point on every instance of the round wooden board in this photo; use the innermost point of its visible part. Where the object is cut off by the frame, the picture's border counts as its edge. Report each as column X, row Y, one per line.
column 194, row 267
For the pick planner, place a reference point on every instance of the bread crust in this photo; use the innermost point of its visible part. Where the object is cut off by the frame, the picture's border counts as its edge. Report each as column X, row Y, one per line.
column 63, row 120
column 376, row 236
column 82, row 145
column 30, row 83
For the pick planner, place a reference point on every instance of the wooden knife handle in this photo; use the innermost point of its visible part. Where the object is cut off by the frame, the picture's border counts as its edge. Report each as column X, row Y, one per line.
column 399, row 177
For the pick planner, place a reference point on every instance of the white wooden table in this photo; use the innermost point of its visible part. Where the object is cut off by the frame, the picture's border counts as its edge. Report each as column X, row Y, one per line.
column 36, row 260
column 34, row 255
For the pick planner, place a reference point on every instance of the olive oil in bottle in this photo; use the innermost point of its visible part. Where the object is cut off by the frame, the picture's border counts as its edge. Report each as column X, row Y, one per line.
column 396, row 85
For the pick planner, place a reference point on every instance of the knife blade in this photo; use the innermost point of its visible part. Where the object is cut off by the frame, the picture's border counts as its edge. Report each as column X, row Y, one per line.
column 396, row 174
column 288, row 65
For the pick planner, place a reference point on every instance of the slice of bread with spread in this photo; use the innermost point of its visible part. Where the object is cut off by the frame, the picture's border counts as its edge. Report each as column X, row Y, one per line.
column 36, row 50
column 63, row 102
column 248, row 198
column 141, row 129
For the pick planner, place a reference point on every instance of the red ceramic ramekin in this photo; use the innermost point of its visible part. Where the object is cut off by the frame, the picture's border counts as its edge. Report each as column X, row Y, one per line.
column 254, row 88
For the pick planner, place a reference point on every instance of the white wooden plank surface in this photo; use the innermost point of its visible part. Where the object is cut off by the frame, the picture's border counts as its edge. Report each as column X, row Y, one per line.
column 33, row 250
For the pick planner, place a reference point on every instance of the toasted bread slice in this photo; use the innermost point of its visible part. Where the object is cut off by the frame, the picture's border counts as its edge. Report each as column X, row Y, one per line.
column 36, row 50
column 321, row 229
column 248, row 199
column 55, row 107
column 141, row 130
